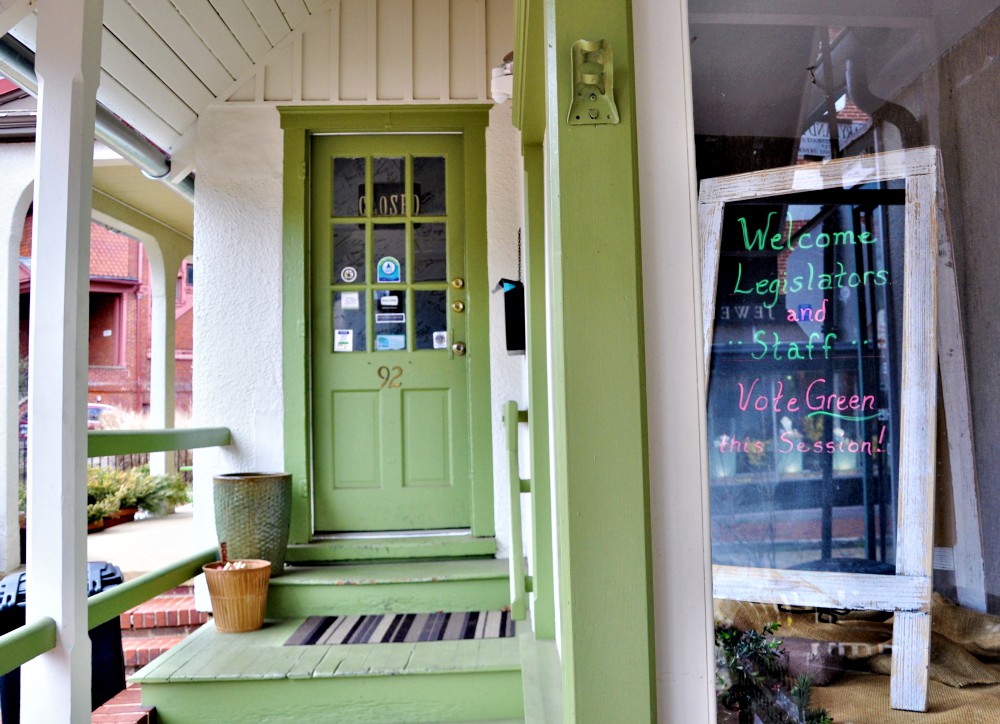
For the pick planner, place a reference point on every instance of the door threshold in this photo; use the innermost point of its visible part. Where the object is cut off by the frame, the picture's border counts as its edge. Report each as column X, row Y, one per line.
column 366, row 535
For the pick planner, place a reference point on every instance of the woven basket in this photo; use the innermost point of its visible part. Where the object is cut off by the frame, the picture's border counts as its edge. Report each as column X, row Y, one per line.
column 239, row 595
column 252, row 513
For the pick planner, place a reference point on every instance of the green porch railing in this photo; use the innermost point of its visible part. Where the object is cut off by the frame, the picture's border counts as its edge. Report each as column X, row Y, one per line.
column 114, row 601
column 25, row 643
column 35, row 638
column 105, row 443
column 520, row 583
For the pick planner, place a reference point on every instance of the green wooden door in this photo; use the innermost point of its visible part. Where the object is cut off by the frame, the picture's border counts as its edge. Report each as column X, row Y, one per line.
column 390, row 383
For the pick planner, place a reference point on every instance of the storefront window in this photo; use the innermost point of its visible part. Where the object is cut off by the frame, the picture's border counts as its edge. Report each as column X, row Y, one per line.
column 794, row 487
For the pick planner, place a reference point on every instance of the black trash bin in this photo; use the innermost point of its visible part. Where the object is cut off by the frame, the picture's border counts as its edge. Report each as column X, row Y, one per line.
column 106, row 660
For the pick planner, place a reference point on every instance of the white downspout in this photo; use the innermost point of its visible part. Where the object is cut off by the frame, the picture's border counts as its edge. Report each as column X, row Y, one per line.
column 56, row 685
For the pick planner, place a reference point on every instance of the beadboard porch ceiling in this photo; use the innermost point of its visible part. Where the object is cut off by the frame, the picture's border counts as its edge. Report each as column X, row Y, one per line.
column 164, row 61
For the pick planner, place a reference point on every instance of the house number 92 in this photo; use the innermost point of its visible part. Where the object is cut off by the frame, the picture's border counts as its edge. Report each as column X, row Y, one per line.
column 390, row 377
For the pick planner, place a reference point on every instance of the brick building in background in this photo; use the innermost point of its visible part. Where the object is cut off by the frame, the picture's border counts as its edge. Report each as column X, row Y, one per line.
column 120, row 319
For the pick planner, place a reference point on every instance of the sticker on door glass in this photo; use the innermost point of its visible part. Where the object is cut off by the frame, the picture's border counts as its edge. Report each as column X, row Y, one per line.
column 387, row 270
column 348, row 274
column 440, row 340
column 350, row 300
column 390, row 342
column 343, row 340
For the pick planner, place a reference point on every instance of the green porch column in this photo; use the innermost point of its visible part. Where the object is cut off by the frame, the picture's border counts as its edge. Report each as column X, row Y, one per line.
column 598, row 381
column 543, row 602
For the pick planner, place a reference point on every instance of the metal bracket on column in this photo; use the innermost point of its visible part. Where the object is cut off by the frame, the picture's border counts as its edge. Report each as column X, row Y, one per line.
column 593, row 84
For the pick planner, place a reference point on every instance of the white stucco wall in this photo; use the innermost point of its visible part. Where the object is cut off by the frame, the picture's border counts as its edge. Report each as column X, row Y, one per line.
column 237, row 313
column 237, row 310
column 503, row 219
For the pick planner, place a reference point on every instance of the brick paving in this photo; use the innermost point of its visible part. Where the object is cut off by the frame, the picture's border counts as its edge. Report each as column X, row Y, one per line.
column 149, row 630
column 157, row 625
column 125, row 708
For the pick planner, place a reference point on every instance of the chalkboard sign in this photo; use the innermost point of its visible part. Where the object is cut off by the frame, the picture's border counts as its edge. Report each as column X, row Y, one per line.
column 820, row 353
column 805, row 380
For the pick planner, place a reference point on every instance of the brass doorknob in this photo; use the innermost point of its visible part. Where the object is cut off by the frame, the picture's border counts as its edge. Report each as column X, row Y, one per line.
column 458, row 348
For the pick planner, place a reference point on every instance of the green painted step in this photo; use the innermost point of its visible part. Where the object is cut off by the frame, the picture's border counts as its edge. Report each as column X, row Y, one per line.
column 212, row 677
column 476, row 584
column 385, row 547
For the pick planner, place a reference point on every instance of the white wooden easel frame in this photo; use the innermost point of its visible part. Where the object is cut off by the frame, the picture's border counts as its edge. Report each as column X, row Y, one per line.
column 908, row 593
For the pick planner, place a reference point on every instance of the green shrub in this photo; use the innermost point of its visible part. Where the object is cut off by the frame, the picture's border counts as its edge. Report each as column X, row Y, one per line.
column 135, row 488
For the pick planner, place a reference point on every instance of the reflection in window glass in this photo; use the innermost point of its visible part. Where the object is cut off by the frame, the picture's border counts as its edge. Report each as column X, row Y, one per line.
column 428, row 185
column 348, row 254
column 839, row 80
column 390, row 320
column 431, row 328
column 349, row 322
column 389, row 253
column 872, row 83
column 348, row 186
column 388, row 187
column 429, row 253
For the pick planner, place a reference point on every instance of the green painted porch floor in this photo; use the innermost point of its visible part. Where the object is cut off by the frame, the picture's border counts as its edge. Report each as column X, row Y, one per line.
column 210, row 655
column 214, row 677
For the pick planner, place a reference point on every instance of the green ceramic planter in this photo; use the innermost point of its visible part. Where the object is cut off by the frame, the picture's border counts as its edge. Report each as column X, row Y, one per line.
column 252, row 513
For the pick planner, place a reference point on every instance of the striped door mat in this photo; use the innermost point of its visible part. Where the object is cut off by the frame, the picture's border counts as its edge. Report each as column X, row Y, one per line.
column 402, row 627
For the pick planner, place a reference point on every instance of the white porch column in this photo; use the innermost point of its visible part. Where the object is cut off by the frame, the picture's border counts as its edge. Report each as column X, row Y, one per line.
column 163, row 266
column 55, row 687
column 18, row 162
column 165, row 248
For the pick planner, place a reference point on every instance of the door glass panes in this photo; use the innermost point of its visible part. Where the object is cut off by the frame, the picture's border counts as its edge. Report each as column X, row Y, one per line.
column 348, row 254
column 381, row 245
column 429, row 253
column 388, row 186
column 428, row 185
column 390, row 319
column 348, row 322
column 389, row 253
column 348, row 186
column 431, row 323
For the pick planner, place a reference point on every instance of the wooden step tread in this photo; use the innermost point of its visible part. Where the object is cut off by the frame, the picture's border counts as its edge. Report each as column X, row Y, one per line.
column 208, row 655
column 390, row 547
column 372, row 573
